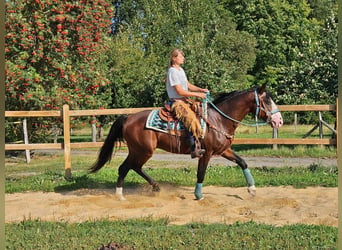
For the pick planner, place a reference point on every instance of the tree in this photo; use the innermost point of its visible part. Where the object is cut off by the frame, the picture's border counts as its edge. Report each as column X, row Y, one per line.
column 51, row 51
column 297, row 47
column 313, row 79
column 135, row 77
column 279, row 27
column 217, row 56
column 321, row 9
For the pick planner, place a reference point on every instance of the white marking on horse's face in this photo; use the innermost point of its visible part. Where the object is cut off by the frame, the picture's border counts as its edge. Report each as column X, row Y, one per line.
column 276, row 118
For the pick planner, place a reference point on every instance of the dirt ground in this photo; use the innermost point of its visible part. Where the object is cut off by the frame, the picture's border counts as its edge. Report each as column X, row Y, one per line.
column 272, row 205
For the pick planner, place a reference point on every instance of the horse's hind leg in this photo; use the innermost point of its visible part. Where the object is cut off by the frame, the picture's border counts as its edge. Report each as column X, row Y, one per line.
column 153, row 183
column 135, row 163
column 229, row 154
column 123, row 170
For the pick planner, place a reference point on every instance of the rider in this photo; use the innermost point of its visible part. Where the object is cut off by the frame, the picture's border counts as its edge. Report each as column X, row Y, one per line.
column 178, row 89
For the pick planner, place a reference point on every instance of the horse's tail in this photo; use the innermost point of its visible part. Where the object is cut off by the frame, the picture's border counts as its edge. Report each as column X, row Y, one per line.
column 105, row 154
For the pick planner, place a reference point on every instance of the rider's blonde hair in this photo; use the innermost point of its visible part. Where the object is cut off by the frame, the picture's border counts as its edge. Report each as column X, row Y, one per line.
column 174, row 53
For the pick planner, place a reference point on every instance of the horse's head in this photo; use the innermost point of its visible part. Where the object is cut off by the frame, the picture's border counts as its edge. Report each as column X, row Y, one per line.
column 266, row 109
column 235, row 105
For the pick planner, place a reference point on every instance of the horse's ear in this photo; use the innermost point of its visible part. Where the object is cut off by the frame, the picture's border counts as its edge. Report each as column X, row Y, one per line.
column 262, row 89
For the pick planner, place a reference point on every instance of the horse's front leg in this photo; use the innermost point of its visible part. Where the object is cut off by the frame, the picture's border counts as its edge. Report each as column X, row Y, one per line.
column 201, row 170
column 229, row 154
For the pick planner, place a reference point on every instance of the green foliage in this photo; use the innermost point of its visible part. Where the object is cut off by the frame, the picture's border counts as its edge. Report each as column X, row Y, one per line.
column 157, row 234
column 51, row 56
column 279, row 27
column 51, row 50
column 296, row 50
column 313, row 77
column 217, row 55
column 133, row 74
column 321, row 9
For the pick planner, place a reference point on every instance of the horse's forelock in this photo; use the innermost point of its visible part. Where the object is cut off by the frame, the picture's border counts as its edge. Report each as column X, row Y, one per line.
column 268, row 98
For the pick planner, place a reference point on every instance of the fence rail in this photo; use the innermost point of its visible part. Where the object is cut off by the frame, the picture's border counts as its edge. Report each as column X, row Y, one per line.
column 67, row 145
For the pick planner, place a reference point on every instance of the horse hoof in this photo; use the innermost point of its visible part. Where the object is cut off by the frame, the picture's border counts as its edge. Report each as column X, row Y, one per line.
column 155, row 188
column 119, row 193
column 198, row 196
column 122, row 198
column 252, row 190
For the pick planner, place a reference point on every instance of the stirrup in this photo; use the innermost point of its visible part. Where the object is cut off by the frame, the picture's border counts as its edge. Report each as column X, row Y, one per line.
column 197, row 153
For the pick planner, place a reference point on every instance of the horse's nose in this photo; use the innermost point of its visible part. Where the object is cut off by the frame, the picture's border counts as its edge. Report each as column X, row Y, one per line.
column 277, row 120
column 280, row 123
column 276, row 124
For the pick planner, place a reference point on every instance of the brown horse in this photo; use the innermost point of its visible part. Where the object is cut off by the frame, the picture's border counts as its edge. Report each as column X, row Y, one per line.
column 224, row 114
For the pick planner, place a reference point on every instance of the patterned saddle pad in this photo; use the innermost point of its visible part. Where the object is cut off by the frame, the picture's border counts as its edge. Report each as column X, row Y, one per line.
column 156, row 123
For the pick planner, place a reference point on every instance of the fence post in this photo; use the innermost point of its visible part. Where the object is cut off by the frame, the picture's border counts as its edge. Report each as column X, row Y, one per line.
column 275, row 136
column 67, row 148
column 320, row 127
column 93, row 129
column 26, row 141
column 55, row 133
column 295, row 122
column 256, row 127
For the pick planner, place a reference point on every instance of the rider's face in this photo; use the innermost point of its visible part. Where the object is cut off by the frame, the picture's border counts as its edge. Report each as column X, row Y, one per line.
column 179, row 59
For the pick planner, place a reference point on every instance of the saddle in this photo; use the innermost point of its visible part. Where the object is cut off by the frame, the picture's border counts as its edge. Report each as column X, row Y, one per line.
column 185, row 113
column 167, row 115
column 165, row 120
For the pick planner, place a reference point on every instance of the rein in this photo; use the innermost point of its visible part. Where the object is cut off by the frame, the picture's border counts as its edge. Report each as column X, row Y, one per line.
column 207, row 99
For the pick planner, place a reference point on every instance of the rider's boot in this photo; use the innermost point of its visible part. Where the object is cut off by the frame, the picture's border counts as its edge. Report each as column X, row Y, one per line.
column 196, row 150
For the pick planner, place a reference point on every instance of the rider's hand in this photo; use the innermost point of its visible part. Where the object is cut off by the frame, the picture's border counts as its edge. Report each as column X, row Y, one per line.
column 201, row 95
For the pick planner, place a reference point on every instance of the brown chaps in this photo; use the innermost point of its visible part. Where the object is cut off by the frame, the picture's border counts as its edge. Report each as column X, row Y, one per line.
column 187, row 116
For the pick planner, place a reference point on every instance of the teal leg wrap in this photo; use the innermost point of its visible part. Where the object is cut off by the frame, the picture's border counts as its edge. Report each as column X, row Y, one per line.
column 249, row 177
column 198, row 191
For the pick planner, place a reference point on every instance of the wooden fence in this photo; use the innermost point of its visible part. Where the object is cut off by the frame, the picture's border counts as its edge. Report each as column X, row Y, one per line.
column 66, row 113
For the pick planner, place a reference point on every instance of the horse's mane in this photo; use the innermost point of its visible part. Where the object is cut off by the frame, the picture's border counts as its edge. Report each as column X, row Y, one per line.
column 225, row 96
column 221, row 97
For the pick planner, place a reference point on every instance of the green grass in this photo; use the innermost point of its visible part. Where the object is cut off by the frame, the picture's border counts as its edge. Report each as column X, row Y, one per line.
column 49, row 181
column 158, row 234
column 46, row 173
column 313, row 151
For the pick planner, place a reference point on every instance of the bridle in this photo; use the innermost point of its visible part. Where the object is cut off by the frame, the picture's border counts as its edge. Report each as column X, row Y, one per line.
column 260, row 107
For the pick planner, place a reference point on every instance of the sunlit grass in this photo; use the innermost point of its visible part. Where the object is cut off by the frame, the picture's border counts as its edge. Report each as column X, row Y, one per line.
column 53, row 180
column 315, row 151
column 158, row 234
